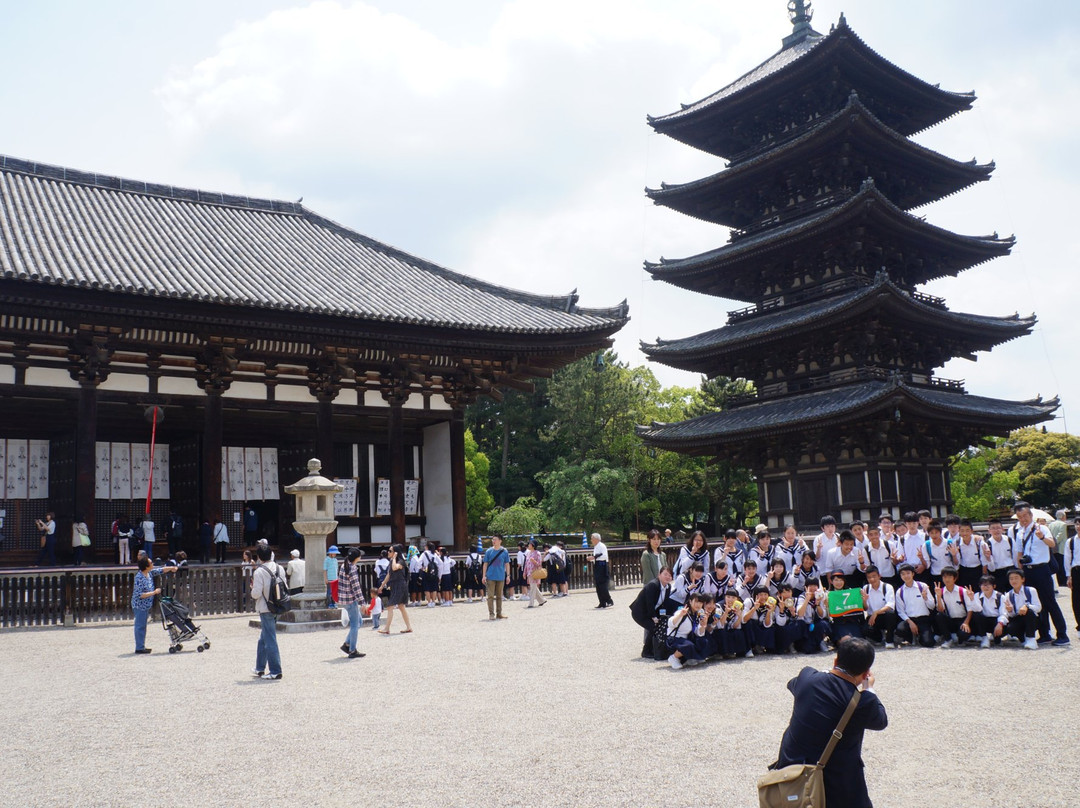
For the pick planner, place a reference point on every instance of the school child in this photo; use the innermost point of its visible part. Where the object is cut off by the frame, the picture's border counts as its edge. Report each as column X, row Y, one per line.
column 709, row 643
column 1022, row 609
column 446, row 577
column 777, row 577
column 812, row 608
column 429, row 565
column 879, row 601
column 950, row 619
column 826, row 540
column 938, row 555
column 732, row 638
column 844, row 625
column 844, row 559
column 750, row 581
column 684, row 627
column 758, row 621
column 987, row 618
column 880, row 552
column 718, row 582
column 375, row 612
column 952, row 529
column 688, row 583
column 790, row 548
column 806, row 570
column 911, row 543
column 789, row 627
column 474, row 568
column 999, row 555
column 914, row 605
column 969, row 556
column 416, row 578
column 762, row 551
column 731, row 553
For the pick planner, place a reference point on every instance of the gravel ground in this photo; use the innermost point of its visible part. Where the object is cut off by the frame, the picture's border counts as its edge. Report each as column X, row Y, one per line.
column 552, row 707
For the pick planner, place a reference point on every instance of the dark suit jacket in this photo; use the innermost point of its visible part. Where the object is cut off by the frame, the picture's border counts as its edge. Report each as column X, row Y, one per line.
column 644, row 608
column 820, row 701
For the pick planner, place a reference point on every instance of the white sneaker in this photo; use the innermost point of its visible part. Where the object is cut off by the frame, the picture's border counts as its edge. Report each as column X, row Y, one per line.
column 675, row 662
column 890, row 645
column 256, row 672
column 956, row 638
column 1031, row 644
column 468, row 600
column 431, row 604
column 937, row 638
column 516, row 597
column 749, row 654
column 985, row 642
column 824, row 648
column 947, row 644
column 692, row 662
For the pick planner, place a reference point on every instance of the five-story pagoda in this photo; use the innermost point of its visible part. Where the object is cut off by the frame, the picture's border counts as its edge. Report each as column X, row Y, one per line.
column 848, row 417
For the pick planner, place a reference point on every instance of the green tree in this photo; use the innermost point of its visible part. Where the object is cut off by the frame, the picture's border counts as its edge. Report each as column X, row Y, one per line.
column 522, row 518
column 587, row 495
column 1047, row 464
column 979, row 489
column 478, row 500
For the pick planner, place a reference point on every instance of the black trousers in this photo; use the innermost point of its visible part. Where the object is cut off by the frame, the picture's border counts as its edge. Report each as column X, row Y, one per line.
column 1040, row 579
column 1001, row 580
column 1075, row 573
column 601, row 578
column 884, row 627
column 969, row 576
column 1061, row 574
column 925, row 626
column 1022, row 626
column 221, row 547
column 982, row 625
column 945, row 626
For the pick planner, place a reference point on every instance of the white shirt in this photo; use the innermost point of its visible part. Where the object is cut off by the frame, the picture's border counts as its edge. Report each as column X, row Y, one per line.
column 846, row 564
column 734, row 561
column 971, row 554
column 993, row 606
column 717, row 588
column 880, row 598
column 294, row 571
column 1027, row 596
column 414, row 565
column 792, row 556
column 762, row 557
column 955, row 602
column 446, row 565
column 685, row 561
column 822, row 544
column 909, row 547
column 881, row 557
column 1072, row 557
column 377, row 609
column 819, row 610
column 682, row 588
column 914, row 601
column 1002, row 556
column 148, row 531
column 221, row 533
column 1026, row 541
column 781, row 616
column 751, row 612
column 599, row 552
column 683, row 626
column 381, row 566
column 937, row 556
column 746, row 590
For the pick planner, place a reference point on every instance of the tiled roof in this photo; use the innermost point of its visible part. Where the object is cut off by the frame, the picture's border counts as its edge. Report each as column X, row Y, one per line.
column 844, row 404
column 980, row 330
column 714, row 269
column 914, row 175
column 799, row 58
column 68, row 228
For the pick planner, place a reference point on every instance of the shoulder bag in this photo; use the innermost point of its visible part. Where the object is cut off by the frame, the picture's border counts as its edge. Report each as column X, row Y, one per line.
column 802, row 785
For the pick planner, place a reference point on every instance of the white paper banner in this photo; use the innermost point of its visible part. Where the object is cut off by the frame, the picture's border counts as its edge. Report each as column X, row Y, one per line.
column 161, row 471
column 38, row 477
column 140, row 470
column 120, row 471
column 3, row 466
column 271, row 487
column 237, row 490
column 345, row 500
column 102, row 475
column 253, row 485
column 17, row 466
column 412, row 497
column 224, row 473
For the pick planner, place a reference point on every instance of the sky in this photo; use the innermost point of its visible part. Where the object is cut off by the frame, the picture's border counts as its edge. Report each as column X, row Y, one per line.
column 508, row 140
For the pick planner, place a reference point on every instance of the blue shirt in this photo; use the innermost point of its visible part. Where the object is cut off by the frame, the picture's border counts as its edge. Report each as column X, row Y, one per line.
column 144, row 582
column 331, row 567
column 496, row 561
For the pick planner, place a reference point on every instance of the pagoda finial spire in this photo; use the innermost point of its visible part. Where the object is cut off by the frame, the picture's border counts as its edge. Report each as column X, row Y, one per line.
column 801, row 14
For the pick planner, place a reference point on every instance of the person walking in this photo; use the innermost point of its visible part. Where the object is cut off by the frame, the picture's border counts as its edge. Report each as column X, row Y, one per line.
column 601, row 576
column 221, row 539
column 350, row 598
column 821, row 697
column 142, row 599
column 295, row 571
column 534, row 564
column 267, row 655
column 493, row 577
column 397, row 582
column 80, row 538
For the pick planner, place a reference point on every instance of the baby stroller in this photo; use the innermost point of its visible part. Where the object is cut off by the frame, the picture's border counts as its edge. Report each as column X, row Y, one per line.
column 175, row 620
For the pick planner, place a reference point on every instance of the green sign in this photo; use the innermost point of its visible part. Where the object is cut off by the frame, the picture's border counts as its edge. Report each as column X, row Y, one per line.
column 844, row 602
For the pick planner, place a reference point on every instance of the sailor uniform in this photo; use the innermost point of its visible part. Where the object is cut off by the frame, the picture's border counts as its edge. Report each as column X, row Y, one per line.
column 915, row 603
column 815, row 619
column 800, row 576
column 686, row 634
column 884, row 625
column 746, row 588
column 789, row 628
column 791, row 556
column 687, row 559
column 683, row 587
column 762, row 557
column 718, row 588
column 730, row 637
column 758, row 625
column 734, row 561
column 1072, row 570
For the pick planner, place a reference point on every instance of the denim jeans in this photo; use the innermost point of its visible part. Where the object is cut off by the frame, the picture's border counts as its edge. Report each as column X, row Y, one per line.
column 142, row 617
column 267, row 653
column 353, row 610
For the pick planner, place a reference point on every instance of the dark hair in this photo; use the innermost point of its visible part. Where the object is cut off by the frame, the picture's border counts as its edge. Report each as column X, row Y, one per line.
column 761, row 590
column 911, row 516
column 399, row 549
column 382, row 553
column 666, row 569
column 828, row 520
column 952, row 519
column 810, row 554
column 934, row 525
column 965, row 523
column 872, row 526
column 697, row 565
column 263, row 552
column 871, row 568
column 779, row 561
column 924, row 512
column 785, row 588
column 949, row 570
column 720, row 562
column 988, row 579
column 749, row 563
column 907, row 567
column 847, row 535
column 1017, row 571
column 858, row 522
column 730, row 534
column 706, row 598
column 993, row 521
column 813, row 582
column 652, row 534
column 885, row 516
column 854, row 655
column 354, row 553
column 694, row 535
column 145, row 564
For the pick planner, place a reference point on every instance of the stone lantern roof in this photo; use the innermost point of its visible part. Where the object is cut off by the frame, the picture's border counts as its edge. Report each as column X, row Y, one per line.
column 314, row 481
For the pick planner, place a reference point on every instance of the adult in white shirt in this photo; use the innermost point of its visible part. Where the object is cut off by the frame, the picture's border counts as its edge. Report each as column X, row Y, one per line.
column 601, row 576
column 294, row 571
column 914, row 605
column 1035, row 545
column 1022, row 607
column 879, row 600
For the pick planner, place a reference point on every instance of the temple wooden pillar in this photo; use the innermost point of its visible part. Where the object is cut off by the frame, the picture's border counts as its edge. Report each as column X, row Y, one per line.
column 213, row 371
column 324, row 436
column 396, row 446
column 89, row 356
column 324, row 382
column 459, row 503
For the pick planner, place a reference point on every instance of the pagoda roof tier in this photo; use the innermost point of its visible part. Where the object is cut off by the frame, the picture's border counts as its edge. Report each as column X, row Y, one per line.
column 840, row 150
column 107, row 237
column 803, row 81
column 899, row 309
column 913, row 250
column 849, row 404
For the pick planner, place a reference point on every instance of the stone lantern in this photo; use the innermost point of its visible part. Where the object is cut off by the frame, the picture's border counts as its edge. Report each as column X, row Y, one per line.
column 315, row 521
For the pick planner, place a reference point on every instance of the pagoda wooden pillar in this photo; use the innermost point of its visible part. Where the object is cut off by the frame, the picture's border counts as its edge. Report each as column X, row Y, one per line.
column 324, row 436
column 458, row 494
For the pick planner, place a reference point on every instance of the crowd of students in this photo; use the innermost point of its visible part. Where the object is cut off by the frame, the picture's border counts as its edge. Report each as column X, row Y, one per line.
column 929, row 584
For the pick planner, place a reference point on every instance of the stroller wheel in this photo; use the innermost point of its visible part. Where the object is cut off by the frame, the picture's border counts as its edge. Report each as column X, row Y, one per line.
column 172, row 649
column 179, row 647
column 206, row 644
column 199, row 649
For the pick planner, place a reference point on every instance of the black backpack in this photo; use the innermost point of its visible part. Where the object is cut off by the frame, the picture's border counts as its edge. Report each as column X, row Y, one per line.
column 278, row 600
column 138, row 534
column 177, row 527
column 432, row 566
column 558, row 563
column 476, row 563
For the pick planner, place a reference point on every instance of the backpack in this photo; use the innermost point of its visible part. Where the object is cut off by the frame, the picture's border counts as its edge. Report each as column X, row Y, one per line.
column 476, row 563
column 558, row 563
column 432, row 566
column 138, row 533
column 278, row 600
column 177, row 527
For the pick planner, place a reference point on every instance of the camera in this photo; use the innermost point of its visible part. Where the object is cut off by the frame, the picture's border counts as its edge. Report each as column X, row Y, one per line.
column 1025, row 559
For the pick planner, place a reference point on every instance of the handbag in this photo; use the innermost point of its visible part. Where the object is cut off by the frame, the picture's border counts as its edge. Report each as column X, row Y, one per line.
column 802, row 785
column 538, row 574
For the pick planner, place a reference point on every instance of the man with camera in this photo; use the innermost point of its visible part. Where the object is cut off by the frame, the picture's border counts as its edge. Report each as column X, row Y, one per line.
column 1034, row 545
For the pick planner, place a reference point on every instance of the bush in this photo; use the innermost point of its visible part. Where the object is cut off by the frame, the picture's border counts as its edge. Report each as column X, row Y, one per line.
column 523, row 517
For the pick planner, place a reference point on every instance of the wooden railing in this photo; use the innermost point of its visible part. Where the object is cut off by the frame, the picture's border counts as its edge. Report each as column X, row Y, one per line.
column 81, row 596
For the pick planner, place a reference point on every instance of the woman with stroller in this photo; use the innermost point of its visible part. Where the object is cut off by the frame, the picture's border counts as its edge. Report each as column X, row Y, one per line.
column 351, row 597
column 397, row 582
column 142, row 599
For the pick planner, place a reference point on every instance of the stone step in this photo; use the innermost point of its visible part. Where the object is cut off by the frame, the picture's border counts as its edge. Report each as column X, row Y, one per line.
column 299, row 628
column 308, row 615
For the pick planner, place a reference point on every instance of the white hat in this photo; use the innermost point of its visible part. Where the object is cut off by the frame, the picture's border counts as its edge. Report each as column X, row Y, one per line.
column 295, row 553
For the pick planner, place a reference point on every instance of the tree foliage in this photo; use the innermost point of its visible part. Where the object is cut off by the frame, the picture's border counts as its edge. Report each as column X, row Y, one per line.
column 478, row 500
column 524, row 517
